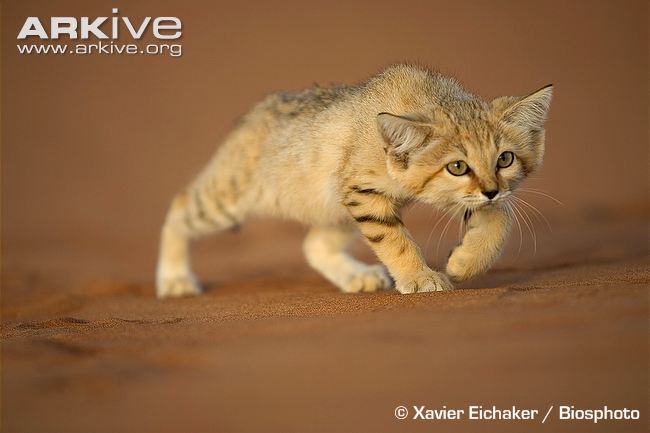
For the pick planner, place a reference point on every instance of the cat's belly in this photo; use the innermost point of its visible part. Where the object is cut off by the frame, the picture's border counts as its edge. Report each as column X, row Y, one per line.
column 311, row 202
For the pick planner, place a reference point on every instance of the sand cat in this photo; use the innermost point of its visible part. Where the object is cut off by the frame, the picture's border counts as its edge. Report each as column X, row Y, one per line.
column 343, row 160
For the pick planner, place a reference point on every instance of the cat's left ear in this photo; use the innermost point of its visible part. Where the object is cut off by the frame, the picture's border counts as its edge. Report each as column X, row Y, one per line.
column 529, row 112
column 402, row 134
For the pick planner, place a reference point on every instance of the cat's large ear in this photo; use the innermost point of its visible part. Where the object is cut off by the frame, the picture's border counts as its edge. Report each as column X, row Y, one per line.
column 529, row 112
column 402, row 134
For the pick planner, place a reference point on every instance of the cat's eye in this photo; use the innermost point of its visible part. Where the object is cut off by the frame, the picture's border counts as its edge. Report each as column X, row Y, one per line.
column 457, row 168
column 505, row 159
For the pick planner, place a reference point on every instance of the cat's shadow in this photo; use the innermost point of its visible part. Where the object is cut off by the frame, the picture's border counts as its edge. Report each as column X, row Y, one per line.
column 502, row 279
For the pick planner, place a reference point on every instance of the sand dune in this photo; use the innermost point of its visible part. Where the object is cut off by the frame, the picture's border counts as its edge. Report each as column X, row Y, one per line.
column 95, row 146
column 284, row 351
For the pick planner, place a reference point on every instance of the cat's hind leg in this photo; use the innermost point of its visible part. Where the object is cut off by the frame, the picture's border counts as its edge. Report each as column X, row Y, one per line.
column 194, row 213
column 325, row 249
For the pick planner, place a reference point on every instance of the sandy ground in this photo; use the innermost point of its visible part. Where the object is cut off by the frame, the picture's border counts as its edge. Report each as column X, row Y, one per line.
column 275, row 348
column 94, row 147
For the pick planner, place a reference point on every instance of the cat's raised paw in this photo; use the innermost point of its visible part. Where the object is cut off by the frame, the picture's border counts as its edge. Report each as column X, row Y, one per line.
column 425, row 281
column 177, row 287
column 370, row 279
column 463, row 265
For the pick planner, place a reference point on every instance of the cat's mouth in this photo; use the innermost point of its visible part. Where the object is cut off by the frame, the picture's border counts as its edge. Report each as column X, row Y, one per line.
column 474, row 202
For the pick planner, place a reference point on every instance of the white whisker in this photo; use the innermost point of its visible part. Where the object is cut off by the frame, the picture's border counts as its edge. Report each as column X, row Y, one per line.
column 461, row 225
column 521, row 234
column 536, row 211
column 530, row 227
column 456, row 208
column 542, row 193
column 426, row 246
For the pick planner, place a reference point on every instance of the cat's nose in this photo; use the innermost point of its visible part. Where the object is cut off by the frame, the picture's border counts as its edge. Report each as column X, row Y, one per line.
column 490, row 194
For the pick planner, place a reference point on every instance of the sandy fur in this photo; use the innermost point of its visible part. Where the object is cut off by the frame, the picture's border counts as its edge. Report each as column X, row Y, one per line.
column 344, row 160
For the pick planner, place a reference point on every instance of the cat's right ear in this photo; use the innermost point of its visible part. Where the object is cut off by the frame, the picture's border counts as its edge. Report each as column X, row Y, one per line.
column 529, row 112
column 402, row 134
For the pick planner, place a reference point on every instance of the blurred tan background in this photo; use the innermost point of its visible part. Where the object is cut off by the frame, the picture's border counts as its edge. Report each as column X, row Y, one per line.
column 93, row 147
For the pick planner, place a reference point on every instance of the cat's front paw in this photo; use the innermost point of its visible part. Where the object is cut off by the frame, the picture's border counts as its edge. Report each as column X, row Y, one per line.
column 425, row 281
column 463, row 265
column 368, row 279
column 177, row 286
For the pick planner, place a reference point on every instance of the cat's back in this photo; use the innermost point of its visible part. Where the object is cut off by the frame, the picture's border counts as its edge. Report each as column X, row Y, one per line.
column 304, row 105
column 404, row 88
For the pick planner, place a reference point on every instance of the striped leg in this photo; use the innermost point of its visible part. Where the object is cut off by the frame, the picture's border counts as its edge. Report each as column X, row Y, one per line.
column 192, row 215
column 487, row 230
column 325, row 251
column 380, row 224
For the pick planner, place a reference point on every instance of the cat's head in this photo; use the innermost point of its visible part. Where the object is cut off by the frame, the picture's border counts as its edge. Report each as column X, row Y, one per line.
column 466, row 153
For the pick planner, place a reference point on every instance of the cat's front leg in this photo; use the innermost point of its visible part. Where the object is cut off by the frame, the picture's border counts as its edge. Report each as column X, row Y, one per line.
column 380, row 224
column 487, row 230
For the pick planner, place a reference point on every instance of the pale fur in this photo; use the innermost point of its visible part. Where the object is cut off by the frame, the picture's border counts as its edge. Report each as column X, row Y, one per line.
column 344, row 160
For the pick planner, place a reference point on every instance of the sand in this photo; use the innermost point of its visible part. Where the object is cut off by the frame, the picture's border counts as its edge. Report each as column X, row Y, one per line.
column 94, row 147
column 276, row 348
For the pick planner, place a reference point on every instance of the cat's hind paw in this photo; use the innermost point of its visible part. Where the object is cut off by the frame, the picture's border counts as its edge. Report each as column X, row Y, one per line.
column 178, row 286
